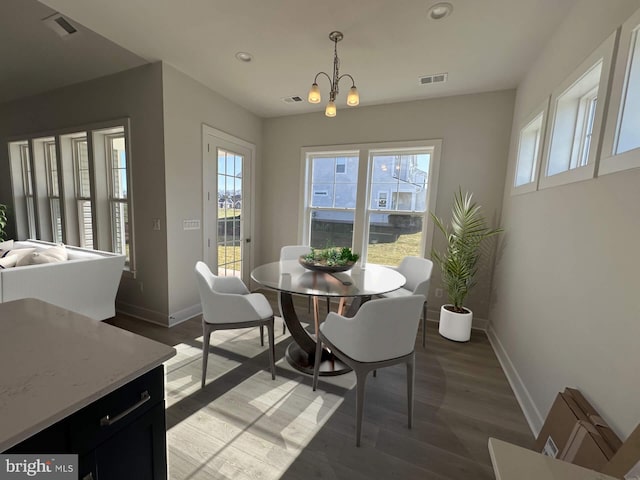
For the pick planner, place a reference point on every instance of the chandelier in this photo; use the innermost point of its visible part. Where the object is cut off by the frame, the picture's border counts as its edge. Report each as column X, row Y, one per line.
column 353, row 99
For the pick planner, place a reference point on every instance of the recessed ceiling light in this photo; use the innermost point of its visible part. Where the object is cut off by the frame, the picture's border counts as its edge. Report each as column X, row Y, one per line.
column 440, row 10
column 244, row 56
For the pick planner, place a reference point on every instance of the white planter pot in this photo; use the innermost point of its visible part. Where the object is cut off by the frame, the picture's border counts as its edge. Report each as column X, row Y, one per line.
column 455, row 326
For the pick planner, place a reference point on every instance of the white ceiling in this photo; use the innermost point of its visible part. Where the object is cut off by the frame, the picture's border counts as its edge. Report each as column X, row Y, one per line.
column 484, row 45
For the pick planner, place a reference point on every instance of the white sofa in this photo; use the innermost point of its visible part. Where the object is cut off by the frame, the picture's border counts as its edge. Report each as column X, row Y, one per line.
column 86, row 283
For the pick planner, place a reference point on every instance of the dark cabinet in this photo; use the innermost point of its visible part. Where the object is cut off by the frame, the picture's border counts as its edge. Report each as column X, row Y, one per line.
column 138, row 451
column 118, row 437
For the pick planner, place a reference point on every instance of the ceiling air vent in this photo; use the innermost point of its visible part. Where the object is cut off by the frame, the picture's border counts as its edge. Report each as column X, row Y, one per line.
column 294, row 99
column 60, row 25
column 435, row 78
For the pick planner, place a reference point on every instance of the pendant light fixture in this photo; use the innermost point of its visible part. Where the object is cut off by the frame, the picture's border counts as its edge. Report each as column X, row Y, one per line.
column 353, row 99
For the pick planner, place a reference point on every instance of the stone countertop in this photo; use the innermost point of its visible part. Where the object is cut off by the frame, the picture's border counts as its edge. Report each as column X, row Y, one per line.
column 53, row 362
column 511, row 462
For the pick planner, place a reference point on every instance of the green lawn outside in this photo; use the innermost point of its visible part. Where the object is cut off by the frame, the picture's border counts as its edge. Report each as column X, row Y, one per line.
column 393, row 253
column 379, row 253
column 229, row 255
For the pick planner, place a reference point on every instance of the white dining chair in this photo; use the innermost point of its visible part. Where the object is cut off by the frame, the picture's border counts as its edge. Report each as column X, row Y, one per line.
column 417, row 271
column 381, row 334
column 227, row 304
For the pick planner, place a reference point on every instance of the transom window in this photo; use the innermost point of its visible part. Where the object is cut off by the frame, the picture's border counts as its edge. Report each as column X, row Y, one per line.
column 621, row 143
column 529, row 151
column 628, row 138
column 575, row 120
column 573, row 124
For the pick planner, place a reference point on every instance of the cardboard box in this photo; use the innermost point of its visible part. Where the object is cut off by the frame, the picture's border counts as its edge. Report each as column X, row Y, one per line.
column 570, row 434
column 596, row 420
column 583, row 448
column 626, row 462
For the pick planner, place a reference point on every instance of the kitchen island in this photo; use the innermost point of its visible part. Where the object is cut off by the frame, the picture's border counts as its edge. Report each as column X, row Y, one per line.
column 69, row 384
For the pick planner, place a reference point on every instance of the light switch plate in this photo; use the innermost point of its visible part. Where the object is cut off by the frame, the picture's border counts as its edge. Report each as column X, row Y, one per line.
column 191, row 224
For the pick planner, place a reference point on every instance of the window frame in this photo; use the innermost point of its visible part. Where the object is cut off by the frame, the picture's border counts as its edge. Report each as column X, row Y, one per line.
column 364, row 191
column 603, row 54
column 612, row 162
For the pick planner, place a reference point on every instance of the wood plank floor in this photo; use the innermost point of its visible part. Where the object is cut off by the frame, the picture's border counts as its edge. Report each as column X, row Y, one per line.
column 243, row 425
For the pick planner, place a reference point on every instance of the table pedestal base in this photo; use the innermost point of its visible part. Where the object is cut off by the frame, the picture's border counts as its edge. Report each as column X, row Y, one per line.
column 329, row 366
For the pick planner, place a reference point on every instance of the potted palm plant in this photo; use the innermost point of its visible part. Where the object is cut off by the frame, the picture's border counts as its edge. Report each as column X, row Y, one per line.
column 458, row 264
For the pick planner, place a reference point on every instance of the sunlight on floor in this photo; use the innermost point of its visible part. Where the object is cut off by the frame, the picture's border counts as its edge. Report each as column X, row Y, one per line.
column 242, row 425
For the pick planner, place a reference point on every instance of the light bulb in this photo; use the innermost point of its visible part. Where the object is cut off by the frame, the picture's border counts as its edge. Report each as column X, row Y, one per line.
column 353, row 99
column 314, row 94
column 330, row 111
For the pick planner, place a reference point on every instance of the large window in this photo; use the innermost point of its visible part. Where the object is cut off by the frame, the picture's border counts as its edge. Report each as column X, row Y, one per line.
column 27, row 186
column 74, row 187
column 83, row 191
column 332, row 201
column 53, row 190
column 398, row 182
column 118, row 194
column 372, row 198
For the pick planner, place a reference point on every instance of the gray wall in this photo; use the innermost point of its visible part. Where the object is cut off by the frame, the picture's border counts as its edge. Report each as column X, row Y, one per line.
column 137, row 94
column 566, row 309
column 475, row 130
column 187, row 106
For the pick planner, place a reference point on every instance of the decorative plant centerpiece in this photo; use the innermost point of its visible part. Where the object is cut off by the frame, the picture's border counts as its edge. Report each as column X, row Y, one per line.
column 334, row 259
column 459, row 263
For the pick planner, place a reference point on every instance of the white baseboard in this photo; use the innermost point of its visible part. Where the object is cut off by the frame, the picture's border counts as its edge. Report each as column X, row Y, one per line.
column 531, row 412
column 184, row 314
column 142, row 313
column 158, row 318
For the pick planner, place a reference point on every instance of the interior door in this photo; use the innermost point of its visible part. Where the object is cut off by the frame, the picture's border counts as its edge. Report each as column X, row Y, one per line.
column 228, row 165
